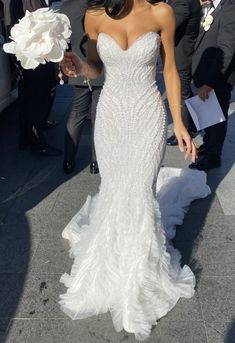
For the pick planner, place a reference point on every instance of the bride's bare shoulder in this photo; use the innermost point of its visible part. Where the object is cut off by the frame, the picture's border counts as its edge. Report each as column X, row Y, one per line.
column 163, row 13
column 93, row 19
column 161, row 9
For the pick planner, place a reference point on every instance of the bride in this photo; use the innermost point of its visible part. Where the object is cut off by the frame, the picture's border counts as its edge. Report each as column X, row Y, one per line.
column 123, row 262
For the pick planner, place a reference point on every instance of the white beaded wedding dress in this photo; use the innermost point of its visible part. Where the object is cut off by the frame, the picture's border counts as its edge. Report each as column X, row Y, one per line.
column 123, row 260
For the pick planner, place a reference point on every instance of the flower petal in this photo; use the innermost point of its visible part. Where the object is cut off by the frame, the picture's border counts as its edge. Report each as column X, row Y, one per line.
column 56, row 55
column 9, row 48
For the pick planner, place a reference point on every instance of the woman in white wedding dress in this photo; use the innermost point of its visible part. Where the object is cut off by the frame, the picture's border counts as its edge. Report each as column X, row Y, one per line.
column 123, row 262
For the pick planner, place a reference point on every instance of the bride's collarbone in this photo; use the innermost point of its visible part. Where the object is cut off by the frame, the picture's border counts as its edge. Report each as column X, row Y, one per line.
column 129, row 45
column 124, row 39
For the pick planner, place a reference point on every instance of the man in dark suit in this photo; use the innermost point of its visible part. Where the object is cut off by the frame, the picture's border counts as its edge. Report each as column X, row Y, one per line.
column 214, row 68
column 36, row 91
column 187, row 14
column 84, row 98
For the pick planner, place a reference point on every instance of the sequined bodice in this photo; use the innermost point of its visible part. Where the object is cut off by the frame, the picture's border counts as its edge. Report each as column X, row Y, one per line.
column 136, row 65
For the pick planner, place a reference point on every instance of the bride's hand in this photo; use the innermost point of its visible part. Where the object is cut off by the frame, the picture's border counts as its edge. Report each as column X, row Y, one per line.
column 72, row 65
column 182, row 136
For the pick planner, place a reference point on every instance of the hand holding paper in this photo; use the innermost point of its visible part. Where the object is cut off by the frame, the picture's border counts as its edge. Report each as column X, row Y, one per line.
column 205, row 113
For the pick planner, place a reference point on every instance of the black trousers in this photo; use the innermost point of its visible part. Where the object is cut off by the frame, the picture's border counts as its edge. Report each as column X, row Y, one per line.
column 215, row 135
column 84, row 103
column 36, row 95
column 186, row 92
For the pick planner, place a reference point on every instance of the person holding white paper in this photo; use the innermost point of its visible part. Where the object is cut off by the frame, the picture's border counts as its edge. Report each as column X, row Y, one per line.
column 201, row 110
column 214, row 68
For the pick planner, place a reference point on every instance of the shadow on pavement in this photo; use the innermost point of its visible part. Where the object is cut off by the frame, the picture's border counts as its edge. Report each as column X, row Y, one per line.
column 25, row 181
column 200, row 208
column 190, row 234
column 230, row 335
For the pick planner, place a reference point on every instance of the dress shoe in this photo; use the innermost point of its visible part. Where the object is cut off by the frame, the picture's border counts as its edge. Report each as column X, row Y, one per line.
column 172, row 141
column 205, row 163
column 94, row 169
column 68, row 167
column 48, row 150
column 50, row 124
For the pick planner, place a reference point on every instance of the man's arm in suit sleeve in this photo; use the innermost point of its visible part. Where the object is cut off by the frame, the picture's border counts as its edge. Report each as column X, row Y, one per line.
column 181, row 11
column 223, row 54
column 226, row 37
column 225, row 50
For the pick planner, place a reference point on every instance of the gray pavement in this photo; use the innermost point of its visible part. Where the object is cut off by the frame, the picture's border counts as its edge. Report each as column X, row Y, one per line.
column 36, row 202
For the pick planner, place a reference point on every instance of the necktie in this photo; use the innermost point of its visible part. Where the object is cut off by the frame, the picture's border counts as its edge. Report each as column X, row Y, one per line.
column 205, row 11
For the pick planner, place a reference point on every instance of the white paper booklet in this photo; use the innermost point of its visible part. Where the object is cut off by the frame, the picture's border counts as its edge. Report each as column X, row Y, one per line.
column 205, row 113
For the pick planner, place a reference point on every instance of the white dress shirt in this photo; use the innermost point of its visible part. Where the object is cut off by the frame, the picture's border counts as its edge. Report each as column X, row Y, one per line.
column 215, row 4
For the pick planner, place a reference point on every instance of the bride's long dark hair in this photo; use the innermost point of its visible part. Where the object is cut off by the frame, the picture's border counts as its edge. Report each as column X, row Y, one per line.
column 114, row 8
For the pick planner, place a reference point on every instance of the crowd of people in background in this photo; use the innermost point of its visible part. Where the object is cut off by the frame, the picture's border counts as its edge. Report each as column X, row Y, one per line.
column 204, row 57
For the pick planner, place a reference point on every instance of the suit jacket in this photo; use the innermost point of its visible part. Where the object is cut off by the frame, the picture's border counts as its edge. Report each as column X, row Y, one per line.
column 33, row 5
column 18, row 8
column 75, row 10
column 187, row 15
column 214, row 56
column 6, row 11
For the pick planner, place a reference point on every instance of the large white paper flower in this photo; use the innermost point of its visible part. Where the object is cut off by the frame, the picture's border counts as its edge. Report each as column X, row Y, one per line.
column 39, row 37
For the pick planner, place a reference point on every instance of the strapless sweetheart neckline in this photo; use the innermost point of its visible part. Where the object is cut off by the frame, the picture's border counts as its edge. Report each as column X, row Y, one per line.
column 135, row 41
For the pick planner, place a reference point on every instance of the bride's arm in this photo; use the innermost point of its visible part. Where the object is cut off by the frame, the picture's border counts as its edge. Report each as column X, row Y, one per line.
column 166, row 20
column 73, row 65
